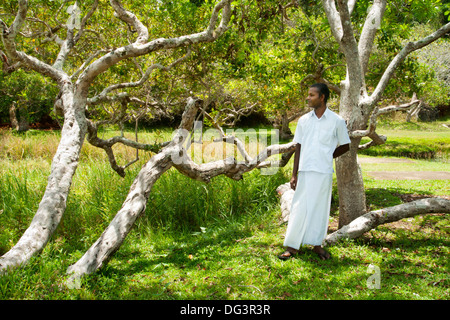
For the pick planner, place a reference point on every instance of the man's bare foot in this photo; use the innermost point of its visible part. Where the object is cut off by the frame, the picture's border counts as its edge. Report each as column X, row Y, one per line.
column 289, row 253
column 322, row 253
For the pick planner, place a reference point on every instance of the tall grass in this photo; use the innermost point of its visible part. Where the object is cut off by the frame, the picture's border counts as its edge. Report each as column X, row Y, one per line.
column 176, row 203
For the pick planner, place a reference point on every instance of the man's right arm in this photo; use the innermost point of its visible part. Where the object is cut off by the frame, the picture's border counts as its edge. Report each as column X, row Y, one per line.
column 296, row 163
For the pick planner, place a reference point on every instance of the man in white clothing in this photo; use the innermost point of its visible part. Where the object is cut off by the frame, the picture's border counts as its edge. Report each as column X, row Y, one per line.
column 321, row 135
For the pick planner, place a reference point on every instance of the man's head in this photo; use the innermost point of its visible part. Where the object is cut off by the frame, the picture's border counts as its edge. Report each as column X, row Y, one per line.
column 318, row 95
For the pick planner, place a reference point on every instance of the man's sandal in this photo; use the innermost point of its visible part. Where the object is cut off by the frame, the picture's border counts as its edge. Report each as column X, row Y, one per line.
column 324, row 255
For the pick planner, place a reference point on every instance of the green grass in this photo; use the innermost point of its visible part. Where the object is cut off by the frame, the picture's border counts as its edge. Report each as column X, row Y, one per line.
column 212, row 241
column 416, row 140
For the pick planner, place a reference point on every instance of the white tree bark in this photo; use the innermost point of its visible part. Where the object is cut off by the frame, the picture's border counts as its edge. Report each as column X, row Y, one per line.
column 65, row 161
column 53, row 203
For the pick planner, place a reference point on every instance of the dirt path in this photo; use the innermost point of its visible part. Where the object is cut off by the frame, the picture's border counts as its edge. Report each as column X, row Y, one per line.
column 384, row 160
column 409, row 175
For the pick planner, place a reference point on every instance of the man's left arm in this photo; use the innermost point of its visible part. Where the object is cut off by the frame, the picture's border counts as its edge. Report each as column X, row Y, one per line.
column 343, row 139
column 341, row 150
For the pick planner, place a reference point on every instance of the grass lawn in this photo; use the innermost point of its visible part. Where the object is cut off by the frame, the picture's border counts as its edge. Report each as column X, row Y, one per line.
column 214, row 241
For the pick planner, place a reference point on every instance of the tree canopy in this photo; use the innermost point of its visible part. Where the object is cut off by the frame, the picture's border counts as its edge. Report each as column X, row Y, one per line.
column 271, row 52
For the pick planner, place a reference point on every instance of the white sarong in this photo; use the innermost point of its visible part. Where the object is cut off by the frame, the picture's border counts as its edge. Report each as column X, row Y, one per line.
column 310, row 210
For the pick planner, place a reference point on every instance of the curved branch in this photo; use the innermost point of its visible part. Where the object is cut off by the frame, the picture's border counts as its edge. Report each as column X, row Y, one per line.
column 8, row 36
column 370, row 132
column 143, row 79
column 399, row 58
column 139, row 49
column 349, row 45
column 401, row 107
column 371, row 26
column 131, row 19
column 19, row 19
column 333, row 19
column 229, row 167
column 53, row 203
column 71, row 40
column 107, row 145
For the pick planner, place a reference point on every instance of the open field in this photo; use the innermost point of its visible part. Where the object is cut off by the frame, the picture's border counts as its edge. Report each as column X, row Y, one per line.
column 220, row 240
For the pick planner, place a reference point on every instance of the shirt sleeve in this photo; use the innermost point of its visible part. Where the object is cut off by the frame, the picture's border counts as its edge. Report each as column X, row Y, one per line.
column 298, row 133
column 342, row 133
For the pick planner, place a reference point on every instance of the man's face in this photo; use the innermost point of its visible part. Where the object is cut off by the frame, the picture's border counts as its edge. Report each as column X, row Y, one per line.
column 314, row 99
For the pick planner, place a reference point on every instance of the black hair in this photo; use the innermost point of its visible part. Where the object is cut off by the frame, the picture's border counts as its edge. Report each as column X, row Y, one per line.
column 323, row 90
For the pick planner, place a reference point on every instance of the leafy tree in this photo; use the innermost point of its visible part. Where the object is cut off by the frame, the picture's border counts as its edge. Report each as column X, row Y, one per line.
column 27, row 98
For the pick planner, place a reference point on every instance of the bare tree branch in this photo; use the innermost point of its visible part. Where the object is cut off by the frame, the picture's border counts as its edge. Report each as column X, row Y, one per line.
column 7, row 66
column 370, row 130
column 402, row 107
column 350, row 47
column 9, row 35
column 71, row 40
column 138, row 49
column 333, row 19
column 399, row 58
column 351, row 6
column 87, row 62
column 131, row 19
column 143, row 79
column 368, row 33
column 376, row 140
column 107, row 145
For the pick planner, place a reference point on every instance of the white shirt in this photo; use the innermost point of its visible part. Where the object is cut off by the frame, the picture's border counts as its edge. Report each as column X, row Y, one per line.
column 319, row 138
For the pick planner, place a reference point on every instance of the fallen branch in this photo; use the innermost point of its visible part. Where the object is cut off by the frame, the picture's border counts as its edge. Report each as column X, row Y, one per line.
column 372, row 219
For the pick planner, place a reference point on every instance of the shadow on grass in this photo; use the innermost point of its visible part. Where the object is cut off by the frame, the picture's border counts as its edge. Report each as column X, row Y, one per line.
column 387, row 197
column 229, row 264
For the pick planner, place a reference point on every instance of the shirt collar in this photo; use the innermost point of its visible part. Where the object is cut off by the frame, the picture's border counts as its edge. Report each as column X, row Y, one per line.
column 327, row 111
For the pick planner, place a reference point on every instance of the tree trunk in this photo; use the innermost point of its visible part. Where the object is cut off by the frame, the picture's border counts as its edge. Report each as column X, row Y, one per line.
column 134, row 205
column 352, row 197
column 285, row 131
column 53, row 203
column 13, row 117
